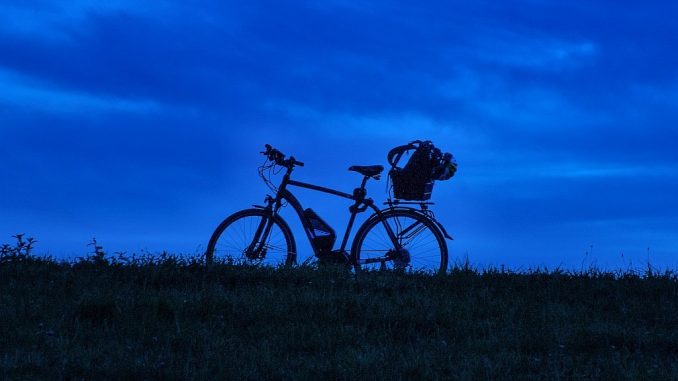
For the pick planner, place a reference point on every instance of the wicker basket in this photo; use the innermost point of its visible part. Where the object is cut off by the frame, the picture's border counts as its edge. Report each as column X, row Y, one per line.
column 411, row 186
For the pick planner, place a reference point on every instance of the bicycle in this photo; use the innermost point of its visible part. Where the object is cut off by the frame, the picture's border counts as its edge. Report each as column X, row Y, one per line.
column 397, row 237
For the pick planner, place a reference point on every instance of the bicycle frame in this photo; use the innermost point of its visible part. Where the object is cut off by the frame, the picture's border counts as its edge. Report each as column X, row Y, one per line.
column 361, row 204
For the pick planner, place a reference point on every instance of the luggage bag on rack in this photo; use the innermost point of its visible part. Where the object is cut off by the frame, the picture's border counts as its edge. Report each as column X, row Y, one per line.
column 414, row 181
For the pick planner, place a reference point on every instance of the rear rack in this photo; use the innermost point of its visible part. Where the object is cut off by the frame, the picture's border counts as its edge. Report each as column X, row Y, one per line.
column 400, row 202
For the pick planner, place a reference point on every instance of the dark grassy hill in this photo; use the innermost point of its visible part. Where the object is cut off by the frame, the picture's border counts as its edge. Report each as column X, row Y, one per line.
column 172, row 319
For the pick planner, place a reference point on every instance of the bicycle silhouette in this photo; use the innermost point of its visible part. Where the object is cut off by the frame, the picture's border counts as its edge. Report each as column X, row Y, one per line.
column 397, row 237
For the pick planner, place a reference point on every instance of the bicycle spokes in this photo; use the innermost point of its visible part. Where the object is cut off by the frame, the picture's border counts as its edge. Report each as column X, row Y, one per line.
column 400, row 241
column 253, row 239
column 410, row 233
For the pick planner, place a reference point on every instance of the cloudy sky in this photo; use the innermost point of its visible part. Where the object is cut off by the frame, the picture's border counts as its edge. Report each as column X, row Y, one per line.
column 141, row 125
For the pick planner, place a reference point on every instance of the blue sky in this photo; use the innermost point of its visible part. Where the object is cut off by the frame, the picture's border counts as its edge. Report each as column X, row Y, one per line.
column 141, row 124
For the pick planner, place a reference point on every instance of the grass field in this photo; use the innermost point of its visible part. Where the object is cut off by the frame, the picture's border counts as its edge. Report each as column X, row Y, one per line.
column 168, row 318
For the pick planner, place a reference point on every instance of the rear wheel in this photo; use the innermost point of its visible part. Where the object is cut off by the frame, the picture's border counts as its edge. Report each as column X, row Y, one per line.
column 251, row 236
column 420, row 243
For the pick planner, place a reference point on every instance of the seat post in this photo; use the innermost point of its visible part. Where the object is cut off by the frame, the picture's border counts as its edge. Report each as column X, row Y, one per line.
column 362, row 186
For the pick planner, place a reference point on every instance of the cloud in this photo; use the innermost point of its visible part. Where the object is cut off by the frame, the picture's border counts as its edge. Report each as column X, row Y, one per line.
column 548, row 106
column 32, row 95
column 59, row 21
column 541, row 53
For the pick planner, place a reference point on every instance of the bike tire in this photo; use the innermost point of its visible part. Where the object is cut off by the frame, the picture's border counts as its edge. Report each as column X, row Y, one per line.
column 232, row 237
column 426, row 249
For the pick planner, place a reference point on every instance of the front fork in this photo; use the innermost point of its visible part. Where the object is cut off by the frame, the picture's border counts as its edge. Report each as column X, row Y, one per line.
column 257, row 248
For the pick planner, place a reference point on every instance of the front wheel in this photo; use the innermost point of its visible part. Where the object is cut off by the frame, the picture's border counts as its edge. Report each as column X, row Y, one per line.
column 252, row 236
column 400, row 240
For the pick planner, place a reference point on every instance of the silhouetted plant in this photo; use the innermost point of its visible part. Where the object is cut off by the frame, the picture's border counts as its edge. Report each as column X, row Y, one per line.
column 98, row 256
column 21, row 250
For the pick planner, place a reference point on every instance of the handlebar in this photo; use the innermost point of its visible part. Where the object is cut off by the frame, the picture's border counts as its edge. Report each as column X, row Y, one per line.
column 279, row 158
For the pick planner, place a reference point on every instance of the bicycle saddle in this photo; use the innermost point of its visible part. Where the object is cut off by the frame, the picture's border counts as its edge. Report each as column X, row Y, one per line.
column 367, row 170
